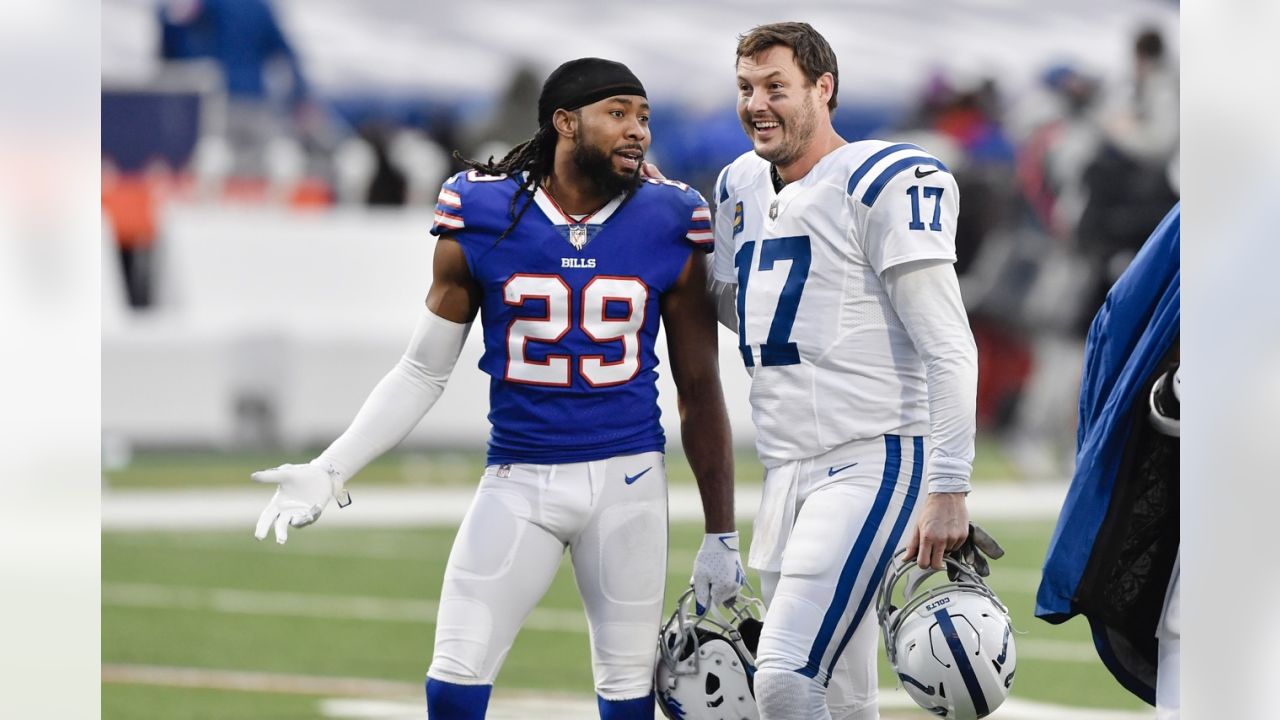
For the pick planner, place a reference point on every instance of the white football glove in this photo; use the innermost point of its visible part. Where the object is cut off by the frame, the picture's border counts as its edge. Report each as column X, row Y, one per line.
column 303, row 493
column 717, row 571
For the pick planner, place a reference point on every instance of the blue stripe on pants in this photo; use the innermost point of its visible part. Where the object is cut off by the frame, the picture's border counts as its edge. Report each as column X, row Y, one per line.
column 899, row 526
column 857, row 556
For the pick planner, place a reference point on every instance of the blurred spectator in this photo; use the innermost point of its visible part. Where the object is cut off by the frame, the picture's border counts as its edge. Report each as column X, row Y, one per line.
column 1128, row 183
column 1096, row 178
column 1145, row 128
column 509, row 124
column 129, row 202
column 388, row 185
column 264, row 81
column 424, row 163
column 354, row 163
column 1061, row 139
column 241, row 35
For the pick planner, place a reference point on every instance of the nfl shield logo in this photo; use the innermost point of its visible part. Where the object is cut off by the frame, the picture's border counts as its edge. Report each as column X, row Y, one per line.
column 578, row 236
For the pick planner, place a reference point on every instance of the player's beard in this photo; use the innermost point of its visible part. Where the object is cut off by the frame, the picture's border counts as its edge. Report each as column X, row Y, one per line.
column 597, row 166
column 797, row 134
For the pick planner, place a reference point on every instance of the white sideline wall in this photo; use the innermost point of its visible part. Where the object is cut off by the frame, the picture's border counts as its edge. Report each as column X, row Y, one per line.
column 272, row 326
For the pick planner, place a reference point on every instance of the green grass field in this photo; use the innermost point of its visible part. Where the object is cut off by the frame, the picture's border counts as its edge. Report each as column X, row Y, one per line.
column 347, row 603
column 177, row 468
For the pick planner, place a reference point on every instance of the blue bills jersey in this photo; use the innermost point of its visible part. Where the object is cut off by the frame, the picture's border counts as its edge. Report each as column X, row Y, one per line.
column 570, row 311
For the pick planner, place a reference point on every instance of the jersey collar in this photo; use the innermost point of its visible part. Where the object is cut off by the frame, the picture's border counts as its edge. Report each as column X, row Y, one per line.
column 551, row 209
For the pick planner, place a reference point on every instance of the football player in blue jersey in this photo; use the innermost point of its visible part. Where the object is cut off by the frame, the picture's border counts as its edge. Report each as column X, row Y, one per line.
column 833, row 262
column 570, row 256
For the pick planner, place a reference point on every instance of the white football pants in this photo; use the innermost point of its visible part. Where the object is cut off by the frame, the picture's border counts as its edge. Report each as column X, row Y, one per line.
column 844, row 514
column 611, row 515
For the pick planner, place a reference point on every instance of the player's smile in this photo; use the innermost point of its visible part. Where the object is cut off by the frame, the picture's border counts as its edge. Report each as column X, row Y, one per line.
column 765, row 130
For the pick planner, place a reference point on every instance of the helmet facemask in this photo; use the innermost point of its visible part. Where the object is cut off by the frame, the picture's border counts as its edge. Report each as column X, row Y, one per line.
column 706, row 664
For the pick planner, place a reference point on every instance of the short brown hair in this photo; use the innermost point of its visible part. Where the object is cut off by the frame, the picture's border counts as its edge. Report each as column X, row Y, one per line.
column 814, row 56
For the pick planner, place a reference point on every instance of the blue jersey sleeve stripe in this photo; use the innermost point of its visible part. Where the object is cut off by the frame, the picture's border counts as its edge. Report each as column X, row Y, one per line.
column 875, row 188
column 870, row 162
column 724, row 185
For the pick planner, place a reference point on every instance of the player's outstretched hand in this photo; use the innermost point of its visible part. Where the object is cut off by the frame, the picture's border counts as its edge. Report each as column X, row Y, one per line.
column 650, row 170
column 302, row 494
column 976, row 549
column 717, row 571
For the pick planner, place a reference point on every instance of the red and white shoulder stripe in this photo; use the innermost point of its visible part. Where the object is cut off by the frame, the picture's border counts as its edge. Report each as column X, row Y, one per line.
column 449, row 198
column 700, row 230
column 449, row 211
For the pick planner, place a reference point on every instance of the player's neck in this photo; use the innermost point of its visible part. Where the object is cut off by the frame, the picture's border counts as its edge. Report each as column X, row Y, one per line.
column 573, row 192
column 826, row 143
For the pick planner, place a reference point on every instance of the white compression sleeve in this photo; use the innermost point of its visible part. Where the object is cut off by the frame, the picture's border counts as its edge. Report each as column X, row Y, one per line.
column 724, row 296
column 926, row 296
column 402, row 397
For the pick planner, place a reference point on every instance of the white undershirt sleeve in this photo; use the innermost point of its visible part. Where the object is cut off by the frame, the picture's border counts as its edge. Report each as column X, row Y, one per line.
column 724, row 296
column 400, row 400
column 926, row 296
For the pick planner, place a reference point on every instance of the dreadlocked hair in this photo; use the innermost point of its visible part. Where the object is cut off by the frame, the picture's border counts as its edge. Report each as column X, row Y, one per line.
column 535, row 157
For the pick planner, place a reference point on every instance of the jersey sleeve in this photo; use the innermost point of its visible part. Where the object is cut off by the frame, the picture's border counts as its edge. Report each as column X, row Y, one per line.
column 909, row 206
column 449, row 218
column 725, row 222
column 700, row 233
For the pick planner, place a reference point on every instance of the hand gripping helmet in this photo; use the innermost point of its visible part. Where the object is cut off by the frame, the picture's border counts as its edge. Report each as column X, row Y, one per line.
column 952, row 644
column 706, row 665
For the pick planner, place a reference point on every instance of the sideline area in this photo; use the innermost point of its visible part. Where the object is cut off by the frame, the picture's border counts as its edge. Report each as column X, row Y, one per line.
column 362, row 699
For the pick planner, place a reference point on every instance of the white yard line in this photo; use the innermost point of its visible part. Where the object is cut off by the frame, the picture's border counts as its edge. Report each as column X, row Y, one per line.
column 367, row 699
column 383, row 506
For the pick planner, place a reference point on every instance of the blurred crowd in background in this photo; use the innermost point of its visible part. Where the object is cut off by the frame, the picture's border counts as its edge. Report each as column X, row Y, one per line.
column 1061, row 182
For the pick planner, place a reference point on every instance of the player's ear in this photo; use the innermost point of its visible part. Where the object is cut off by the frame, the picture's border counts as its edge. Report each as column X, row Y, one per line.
column 826, row 87
column 566, row 122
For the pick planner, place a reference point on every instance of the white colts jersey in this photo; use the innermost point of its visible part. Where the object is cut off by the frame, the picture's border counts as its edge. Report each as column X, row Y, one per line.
column 829, row 359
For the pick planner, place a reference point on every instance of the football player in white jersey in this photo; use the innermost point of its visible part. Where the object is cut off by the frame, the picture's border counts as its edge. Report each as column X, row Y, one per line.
column 833, row 260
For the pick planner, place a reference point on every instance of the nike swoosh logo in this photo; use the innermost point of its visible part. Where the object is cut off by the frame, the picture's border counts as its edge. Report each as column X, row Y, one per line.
column 925, row 174
column 632, row 478
column 832, row 472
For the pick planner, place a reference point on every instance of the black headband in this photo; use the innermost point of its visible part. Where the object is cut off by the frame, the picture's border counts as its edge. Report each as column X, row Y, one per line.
column 584, row 81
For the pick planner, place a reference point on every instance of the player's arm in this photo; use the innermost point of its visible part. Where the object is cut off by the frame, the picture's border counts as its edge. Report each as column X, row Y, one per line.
column 724, row 298
column 704, row 430
column 704, row 421
column 911, row 212
column 926, row 296
column 396, row 405
column 722, row 284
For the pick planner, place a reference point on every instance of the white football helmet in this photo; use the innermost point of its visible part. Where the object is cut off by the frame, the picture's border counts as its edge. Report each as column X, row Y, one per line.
column 706, row 665
column 951, row 644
